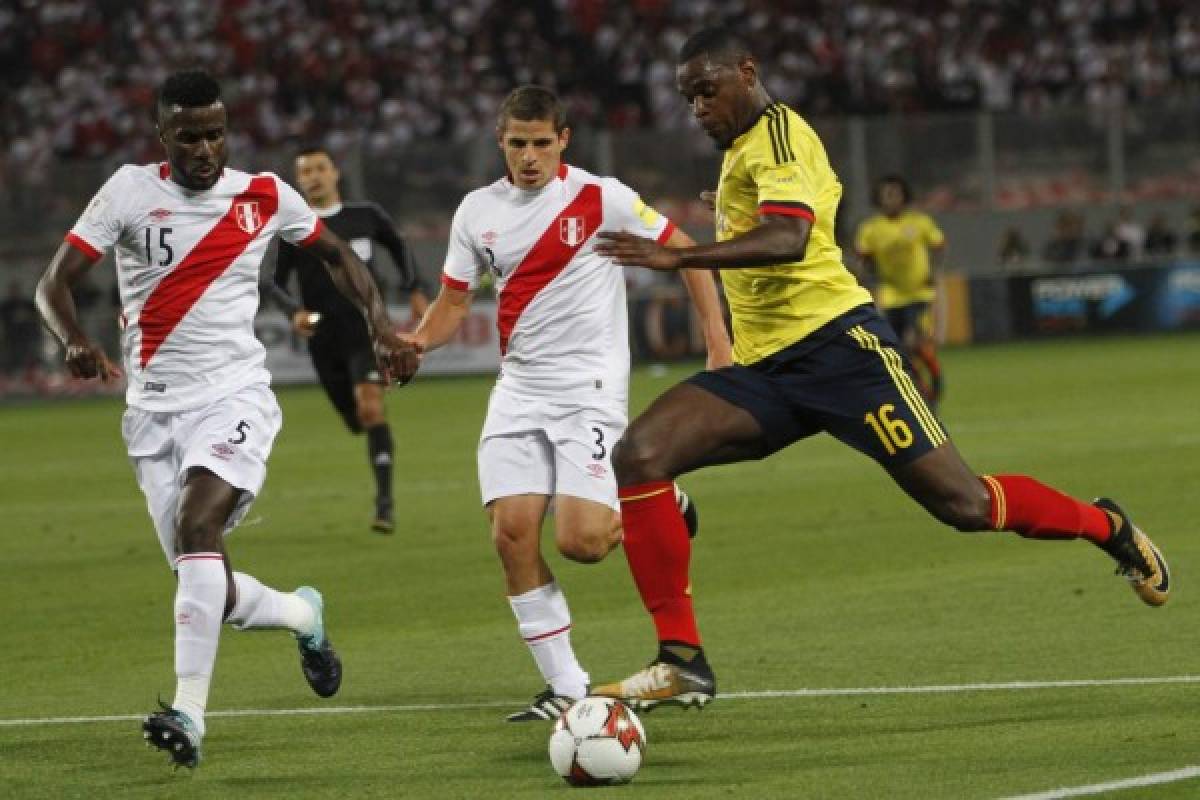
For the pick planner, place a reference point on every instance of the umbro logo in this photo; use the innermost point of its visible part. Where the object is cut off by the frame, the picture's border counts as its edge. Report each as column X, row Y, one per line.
column 223, row 451
column 159, row 214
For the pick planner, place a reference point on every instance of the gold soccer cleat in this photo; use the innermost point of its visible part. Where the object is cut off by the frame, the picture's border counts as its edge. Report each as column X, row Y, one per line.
column 662, row 683
column 1138, row 560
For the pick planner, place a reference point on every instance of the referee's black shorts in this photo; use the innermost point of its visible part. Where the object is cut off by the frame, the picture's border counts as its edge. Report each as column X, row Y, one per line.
column 343, row 357
column 848, row 378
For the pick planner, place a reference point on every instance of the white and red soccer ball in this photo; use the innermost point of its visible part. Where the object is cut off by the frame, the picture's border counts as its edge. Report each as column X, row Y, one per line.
column 598, row 741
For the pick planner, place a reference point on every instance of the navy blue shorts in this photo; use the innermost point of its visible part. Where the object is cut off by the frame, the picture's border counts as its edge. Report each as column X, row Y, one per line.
column 847, row 378
column 916, row 317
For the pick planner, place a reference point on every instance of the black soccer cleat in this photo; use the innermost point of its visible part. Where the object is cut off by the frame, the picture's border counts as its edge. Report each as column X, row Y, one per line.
column 319, row 661
column 173, row 731
column 688, row 509
column 383, row 521
column 546, row 706
column 1138, row 560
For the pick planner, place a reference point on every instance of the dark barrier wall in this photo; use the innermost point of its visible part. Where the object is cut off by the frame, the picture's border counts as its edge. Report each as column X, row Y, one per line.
column 1158, row 298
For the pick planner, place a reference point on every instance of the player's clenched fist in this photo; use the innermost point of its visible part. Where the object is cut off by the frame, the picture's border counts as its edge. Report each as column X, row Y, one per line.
column 86, row 360
column 398, row 357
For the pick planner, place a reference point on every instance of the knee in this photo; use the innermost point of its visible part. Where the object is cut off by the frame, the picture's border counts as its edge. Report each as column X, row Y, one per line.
column 198, row 531
column 967, row 509
column 588, row 546
column 368, row 413
column 511, row 539
column 637, row 458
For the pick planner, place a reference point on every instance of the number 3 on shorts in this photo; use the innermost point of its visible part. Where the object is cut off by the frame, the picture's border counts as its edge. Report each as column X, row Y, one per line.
column 893, row 433
column 601, row 451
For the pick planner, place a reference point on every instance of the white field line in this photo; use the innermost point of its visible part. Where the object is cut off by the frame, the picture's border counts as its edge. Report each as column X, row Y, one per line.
column 1009, row 686
column 1153, row 779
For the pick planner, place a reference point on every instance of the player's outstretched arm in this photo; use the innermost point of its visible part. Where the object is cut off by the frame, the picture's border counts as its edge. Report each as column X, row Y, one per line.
column 57, row 308
column 778, row 240
column 398, row 358
column 702, row 287
column 443, row 318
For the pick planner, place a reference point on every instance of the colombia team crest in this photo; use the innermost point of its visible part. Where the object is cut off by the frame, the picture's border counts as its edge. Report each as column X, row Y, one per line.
column 572, row 231
column 248, row 216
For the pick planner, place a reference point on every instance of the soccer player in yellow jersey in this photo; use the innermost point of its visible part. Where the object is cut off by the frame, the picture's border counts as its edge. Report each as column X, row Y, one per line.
column 812, row 355
column 900, row 246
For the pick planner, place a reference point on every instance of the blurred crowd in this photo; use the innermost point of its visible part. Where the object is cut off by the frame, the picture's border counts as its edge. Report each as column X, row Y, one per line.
column 77, row 76
column 1122, row 240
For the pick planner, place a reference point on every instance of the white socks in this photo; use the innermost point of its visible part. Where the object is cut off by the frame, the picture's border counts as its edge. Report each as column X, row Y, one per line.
column 545, row 624
column 260, row 607
column 199, row 605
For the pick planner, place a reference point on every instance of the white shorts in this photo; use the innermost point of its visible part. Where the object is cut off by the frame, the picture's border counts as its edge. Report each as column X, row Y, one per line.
column 230, row 437
column 530, row 446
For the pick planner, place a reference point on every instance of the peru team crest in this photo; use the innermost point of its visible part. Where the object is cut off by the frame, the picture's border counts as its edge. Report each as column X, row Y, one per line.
column 247, row 215
column 572, row 231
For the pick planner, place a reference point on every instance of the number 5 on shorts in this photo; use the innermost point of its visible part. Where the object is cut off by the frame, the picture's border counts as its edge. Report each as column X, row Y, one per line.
column 242, row 427
column 893, row 433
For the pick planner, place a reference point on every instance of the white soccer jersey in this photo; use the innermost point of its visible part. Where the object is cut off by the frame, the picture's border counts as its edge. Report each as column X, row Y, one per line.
column 564, row 331
column 188, row 270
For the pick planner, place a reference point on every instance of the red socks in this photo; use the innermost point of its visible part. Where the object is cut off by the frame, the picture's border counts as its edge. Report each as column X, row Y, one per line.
column 1034, row 510
column 658, row 550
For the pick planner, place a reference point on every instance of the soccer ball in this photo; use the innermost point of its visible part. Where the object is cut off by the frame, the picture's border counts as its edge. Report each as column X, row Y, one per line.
column 597, row 742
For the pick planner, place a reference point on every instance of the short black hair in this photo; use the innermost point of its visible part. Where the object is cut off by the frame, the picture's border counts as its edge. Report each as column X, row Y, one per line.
column 190, row 88
column 314, row 149
column 894, row 180
column 531, row 102
column 720, row 44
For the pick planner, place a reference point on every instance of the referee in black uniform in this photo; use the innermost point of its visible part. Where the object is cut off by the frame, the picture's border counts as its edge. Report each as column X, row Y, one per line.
column 336, row 331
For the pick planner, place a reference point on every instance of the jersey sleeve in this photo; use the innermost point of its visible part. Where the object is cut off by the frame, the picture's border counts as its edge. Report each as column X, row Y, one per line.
column 782, row 183
column 464, row 263
column 402, row 256
column 298, row 223
column 101, row 224
column 631, row 215
column 933, row 234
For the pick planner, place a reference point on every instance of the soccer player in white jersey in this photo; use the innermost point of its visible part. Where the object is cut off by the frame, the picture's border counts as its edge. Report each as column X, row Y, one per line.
column 560, row 402
column 189, row 237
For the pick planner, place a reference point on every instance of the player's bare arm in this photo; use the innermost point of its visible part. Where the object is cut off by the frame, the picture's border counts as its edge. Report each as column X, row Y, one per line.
column 84, row 359
column 702, row 287
column 442, row 319
column 398, row 358
column 418, row 303
column 776, row 240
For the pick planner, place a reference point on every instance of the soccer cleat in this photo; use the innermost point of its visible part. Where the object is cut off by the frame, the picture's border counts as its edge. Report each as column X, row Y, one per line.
column 321, row 665
column 1138, row 560
column 688, row 509
column 383, row 522
column 173, row 731
column 546, row 706
column 663, row 683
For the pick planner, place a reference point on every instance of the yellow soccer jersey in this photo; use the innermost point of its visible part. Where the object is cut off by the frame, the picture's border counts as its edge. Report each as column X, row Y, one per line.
column 779, row 166
column 900, row 247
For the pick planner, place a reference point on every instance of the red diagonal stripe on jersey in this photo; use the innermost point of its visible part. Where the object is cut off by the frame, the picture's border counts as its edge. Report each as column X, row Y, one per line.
column 178, row 292
column 547, row 258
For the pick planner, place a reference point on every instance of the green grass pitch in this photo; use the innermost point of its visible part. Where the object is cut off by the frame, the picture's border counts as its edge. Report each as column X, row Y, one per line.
column 811, row 572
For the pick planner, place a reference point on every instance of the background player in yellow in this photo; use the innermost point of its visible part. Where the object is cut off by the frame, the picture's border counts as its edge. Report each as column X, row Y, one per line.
column 900, row 247
column 812, row 355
